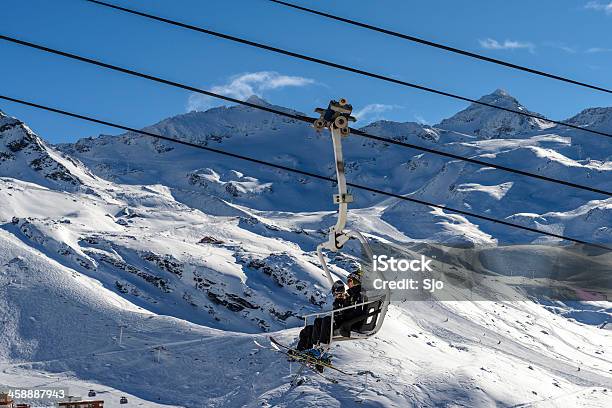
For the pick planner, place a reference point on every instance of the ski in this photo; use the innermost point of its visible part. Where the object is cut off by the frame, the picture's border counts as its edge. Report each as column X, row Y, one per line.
column 299, row 356
column 303, row 364
column 259, row 345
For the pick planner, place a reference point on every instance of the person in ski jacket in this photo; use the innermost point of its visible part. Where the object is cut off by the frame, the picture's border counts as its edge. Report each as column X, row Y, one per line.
column 319, row 331
column 354, row 290
column 353, row 297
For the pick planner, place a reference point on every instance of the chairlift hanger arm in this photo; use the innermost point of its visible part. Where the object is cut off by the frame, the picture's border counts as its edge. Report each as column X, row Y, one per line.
column 336, row 118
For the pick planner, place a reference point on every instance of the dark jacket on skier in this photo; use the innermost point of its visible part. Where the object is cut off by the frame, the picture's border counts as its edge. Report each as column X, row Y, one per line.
column 320, row 331
column 353, row 297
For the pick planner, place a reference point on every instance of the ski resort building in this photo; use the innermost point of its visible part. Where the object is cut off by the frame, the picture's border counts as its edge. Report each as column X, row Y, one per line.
column 6, row 401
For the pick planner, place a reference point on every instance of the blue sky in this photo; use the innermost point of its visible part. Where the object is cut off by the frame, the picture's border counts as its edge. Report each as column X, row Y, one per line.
column 571, row 38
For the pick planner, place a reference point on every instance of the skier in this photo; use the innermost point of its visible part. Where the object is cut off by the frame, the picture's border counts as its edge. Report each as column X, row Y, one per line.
column 353, row 297
column 319, row 331
column 354, row 284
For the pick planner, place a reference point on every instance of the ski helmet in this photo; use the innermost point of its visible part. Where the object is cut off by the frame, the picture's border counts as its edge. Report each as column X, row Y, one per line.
column 338, row 287
column 355, row 277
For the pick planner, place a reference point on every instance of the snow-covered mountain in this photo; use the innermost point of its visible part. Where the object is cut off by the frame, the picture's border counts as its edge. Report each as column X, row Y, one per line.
column 489, row 123
column 25, row 156
column 527, row 144
column 594, row 118
column 138, row 267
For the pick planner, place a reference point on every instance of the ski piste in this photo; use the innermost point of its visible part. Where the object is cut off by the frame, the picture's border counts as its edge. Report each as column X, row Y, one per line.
column 303, row 364
column 299, row 356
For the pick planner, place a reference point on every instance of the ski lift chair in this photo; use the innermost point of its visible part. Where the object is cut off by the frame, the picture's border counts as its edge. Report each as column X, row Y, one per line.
column 365, row 325
column 372, row 310
column 374, row 307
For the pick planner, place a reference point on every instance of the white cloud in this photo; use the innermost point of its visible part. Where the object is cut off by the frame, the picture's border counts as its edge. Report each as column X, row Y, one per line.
column 561, row 46
column 594, row 50
column 567, row 49
column 373, row 112
column 492, row 44
column 599, row 6
column 244, row 85
column 421, row 120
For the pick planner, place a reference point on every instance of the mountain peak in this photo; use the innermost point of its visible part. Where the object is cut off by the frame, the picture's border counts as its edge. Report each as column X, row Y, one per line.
column 500, row 97
column 500, row 92
column 256, row 100
column 491, row 123
column 25, row 156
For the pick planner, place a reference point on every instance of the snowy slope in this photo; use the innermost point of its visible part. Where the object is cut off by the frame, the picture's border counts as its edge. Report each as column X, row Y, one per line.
column 196, row 256
column 168, row 258
column 427, row 355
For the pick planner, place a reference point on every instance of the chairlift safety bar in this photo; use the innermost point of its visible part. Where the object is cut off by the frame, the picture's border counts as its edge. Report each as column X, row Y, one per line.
column 371, row 300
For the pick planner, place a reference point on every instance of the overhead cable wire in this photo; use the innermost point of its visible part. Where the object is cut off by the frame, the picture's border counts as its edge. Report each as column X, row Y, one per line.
column 344, row 67
column 297, row 171
column 295, row 115
column 440, row 46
